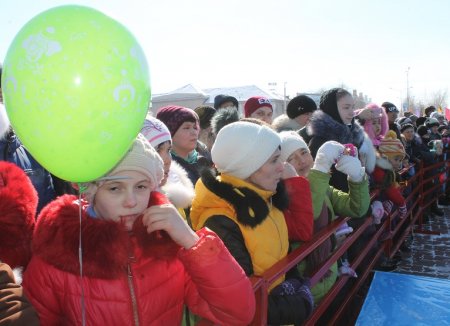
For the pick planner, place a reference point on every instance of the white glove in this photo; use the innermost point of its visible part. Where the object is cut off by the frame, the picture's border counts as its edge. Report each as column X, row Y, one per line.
column 326, row 156
column 377, row 211
column 351, row 166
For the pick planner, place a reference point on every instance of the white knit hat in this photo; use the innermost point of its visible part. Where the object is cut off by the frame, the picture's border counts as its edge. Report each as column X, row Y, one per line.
column 155, row 131
column 290, row 142
column 141, row 157
column 241, row 148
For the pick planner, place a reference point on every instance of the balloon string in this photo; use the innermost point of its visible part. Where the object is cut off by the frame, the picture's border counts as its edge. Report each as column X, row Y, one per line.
column 80, row 259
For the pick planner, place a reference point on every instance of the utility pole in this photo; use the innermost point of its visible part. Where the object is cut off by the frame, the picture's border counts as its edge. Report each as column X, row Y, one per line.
column 407, row 88
column 284, row 98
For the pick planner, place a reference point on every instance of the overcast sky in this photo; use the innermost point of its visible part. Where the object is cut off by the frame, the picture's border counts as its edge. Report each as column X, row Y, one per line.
column 308, row 44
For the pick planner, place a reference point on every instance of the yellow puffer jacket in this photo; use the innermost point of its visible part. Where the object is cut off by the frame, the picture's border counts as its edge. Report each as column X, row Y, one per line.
column 266, row 237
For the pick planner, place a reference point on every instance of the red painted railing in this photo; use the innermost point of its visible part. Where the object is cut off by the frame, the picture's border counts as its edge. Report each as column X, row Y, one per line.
column 421, row 187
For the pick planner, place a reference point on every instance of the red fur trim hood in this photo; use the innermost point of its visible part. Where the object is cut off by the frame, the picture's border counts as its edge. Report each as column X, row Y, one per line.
column 105, row 243
column 18, row 203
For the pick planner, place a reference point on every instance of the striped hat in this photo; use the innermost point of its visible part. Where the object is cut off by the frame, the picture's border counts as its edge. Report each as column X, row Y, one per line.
column 155, row 131
column 391, row 146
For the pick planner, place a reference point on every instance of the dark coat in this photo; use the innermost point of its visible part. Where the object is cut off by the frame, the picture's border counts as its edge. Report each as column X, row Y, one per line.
column 12, row 150
column 194, row 170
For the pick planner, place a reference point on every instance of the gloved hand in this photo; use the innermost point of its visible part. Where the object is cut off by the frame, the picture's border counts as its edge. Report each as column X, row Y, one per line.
column 326, row 156
column 346, row 269
column 402, row 210
column 351, row 166
column 288, row 171
column 387, row 204
column 377, row 211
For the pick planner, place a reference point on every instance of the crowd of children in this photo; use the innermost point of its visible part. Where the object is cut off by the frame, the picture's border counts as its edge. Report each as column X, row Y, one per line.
column 181, row 223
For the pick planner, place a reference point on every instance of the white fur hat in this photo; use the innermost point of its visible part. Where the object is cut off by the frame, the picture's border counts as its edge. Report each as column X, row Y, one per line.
column 290, row 142
column 241, row 148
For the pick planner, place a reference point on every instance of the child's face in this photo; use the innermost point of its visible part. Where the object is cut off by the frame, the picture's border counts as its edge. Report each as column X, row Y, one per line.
column 434, row 129
column 376, row 126
column 409, row 134
column 123, row 200
column 396, row 162
column 302, row 161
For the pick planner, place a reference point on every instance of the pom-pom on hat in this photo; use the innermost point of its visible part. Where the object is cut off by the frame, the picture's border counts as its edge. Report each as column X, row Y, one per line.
column 290, row 142
column 141, row 157
column 391, row 146
column 241, row 148
column 254, row 103
column 155, row 131
column 174, row 116
column 223, row 117
column 300, row 105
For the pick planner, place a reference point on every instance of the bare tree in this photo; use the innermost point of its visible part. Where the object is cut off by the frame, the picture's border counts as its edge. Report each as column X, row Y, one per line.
column 438, row 98
column 415, row 105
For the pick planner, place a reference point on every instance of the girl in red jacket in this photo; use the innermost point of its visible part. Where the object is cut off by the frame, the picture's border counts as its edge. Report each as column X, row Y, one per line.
column 140, row 261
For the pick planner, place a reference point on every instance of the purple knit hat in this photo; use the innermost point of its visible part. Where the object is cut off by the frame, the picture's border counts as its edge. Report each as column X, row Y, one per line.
column 173, row 117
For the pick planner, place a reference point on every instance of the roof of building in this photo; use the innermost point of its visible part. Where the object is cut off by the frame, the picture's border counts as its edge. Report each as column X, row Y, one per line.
column 186, row 92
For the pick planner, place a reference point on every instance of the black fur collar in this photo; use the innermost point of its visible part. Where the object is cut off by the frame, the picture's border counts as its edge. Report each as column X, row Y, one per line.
column 245, row 200
column 323, row 126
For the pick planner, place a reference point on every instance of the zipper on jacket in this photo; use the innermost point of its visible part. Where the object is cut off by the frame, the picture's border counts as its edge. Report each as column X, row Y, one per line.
column 133, row 295
column 279, row 234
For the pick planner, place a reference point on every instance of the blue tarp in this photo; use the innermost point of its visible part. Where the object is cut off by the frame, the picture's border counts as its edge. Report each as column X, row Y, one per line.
column 401, row 299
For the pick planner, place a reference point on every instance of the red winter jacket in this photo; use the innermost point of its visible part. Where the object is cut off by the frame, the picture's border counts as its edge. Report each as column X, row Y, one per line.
column 18, row 202
column 129, row 280
column 299, row 215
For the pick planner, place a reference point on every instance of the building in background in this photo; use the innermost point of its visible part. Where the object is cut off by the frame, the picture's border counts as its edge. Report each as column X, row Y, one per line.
column 192, row 97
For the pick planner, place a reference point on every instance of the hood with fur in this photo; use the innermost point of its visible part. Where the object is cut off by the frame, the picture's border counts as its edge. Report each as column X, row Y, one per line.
column 105, row 243
column 368, row 126
column 324, row 126
column 283, row 123
column 383, row 162
column 178, row 188
column 18, row 203
column 223, row 117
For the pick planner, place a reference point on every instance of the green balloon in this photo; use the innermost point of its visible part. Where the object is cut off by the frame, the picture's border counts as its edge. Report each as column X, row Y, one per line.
column 76, row 89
